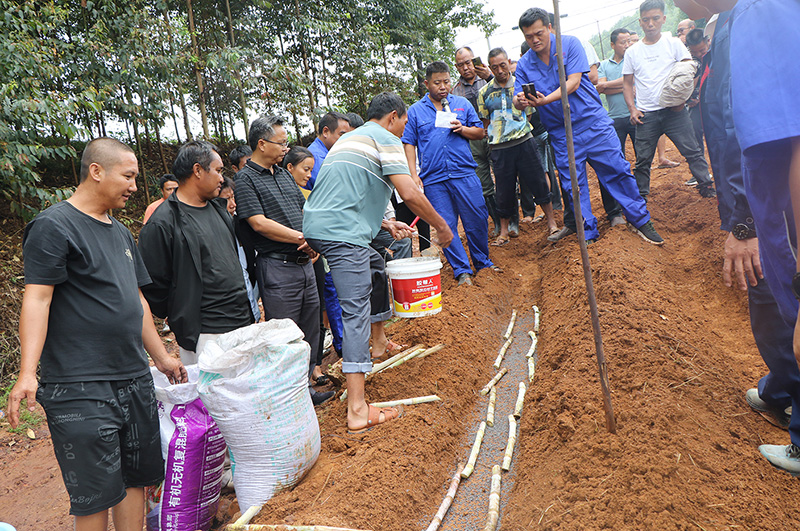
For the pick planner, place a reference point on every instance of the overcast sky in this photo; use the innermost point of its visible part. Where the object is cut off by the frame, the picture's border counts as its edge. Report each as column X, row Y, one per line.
column 581, row 20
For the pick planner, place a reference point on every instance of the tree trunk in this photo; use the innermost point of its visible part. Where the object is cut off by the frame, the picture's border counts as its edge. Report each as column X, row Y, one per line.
column 197, row 72
column 309, row 90
column 238, row 77
column 178, row 85
column 174, row 120
column 161, row 150
column 297, row 133
column 324, row 72
column 138, row 146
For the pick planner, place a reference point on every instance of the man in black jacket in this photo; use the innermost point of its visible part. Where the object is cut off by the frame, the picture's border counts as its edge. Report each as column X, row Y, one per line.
column 189, row 249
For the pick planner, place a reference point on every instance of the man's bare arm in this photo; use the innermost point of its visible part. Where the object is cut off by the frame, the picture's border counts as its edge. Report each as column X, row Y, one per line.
column 171, row 367
column 32, row 333
column 419, row 205
column 279, row 233
column 630, row 101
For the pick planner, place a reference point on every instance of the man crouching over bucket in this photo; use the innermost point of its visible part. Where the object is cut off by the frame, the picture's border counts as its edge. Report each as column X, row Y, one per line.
column 341, row 218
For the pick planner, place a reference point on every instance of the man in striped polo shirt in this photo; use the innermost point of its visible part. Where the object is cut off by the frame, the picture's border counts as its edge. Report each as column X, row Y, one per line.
column 343, row 215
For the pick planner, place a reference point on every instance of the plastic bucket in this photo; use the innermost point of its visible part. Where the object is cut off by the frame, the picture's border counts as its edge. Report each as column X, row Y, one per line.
column 416, row 286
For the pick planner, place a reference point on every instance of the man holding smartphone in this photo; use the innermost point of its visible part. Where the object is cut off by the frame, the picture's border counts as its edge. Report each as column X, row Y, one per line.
column 594, row 136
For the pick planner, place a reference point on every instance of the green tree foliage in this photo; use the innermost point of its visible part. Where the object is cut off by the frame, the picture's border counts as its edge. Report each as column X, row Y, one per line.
column 69, row 68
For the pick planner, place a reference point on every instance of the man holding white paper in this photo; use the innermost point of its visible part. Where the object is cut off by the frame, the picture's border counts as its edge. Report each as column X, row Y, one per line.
column 440, row 126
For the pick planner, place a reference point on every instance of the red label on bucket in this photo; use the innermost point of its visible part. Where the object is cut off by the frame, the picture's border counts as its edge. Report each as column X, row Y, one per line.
column 417, row 294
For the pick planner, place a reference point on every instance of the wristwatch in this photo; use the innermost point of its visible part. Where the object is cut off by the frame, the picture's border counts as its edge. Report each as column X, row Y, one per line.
column 744, row 231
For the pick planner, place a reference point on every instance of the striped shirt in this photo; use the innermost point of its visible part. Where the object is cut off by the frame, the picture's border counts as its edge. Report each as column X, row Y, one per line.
column 353, row 186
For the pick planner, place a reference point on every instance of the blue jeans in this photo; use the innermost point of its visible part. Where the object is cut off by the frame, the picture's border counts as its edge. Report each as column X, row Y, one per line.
column 463, row 198
column 599, row 146
column 678, row 127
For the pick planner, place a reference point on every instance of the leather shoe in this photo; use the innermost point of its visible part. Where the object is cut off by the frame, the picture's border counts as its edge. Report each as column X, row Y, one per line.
column 563, row 233
column 320, row 398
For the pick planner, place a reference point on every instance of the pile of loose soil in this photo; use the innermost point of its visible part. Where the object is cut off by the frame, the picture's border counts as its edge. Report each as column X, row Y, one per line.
column 680, row 356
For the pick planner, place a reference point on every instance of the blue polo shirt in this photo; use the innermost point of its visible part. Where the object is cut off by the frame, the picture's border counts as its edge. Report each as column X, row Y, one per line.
column 443, row 154
column 318, row 149
column 612, row 70
column 766, row 106
column 587, row 109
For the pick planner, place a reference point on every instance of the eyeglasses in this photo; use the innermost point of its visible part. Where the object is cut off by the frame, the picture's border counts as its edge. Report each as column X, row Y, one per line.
column 284, row 144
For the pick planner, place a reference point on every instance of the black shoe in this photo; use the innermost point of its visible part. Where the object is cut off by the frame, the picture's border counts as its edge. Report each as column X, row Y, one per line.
column 590, row 241
column 707, row 191
column 691, row 182
column 648, row 233
column 563, row 233
column 464, row 278
column 320, row 398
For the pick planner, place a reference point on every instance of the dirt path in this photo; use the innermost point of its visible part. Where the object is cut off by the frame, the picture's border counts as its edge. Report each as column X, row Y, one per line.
column 680, row 356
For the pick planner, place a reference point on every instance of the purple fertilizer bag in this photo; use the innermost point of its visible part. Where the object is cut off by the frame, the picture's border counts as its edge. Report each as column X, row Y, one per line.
column 193, row 450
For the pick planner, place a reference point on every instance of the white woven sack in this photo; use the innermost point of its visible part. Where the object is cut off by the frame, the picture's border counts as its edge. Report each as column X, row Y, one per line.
column 679, row 85
column 254, row 382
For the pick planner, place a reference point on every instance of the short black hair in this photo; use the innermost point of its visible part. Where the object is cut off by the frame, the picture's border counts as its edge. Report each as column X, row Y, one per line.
column 238, row 153
column 649, row 5
column 167, row 177
column 191, row 153
column 616, row 33
column 436, row 67
column 355, row 120
column 296, row 155
column 523, row 49
column 530, row 16
column 383, row 104
column 695, row 37
column 331, row 121
column 227, row 182
column 102, row 151
column 494, row 52
column 263, row 127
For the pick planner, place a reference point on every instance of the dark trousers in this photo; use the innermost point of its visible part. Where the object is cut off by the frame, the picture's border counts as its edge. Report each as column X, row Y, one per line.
column 520, row 161
column 404, row 214
column 766, row 180
column 773, row 335
column 625, row 129
column 678, row 127
column 697, row 124
column 289, row 291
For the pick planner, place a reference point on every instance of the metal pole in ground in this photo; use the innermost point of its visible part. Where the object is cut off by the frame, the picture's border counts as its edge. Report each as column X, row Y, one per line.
column 611, row 424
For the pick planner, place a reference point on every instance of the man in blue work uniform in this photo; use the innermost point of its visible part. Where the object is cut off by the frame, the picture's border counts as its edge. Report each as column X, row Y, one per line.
column 330, row 128
column 440, row 126
column 773, row 334
column 594, row 137
column 766, row 112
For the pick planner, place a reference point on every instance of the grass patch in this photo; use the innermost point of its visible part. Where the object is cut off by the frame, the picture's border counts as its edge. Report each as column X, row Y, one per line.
column 27, row 419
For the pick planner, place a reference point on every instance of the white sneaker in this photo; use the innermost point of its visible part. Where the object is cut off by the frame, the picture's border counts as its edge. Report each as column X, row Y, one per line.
column 784, row 457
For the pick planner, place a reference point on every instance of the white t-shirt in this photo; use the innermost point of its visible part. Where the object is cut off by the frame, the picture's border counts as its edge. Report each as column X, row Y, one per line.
column 650, row 66
column 591, row 53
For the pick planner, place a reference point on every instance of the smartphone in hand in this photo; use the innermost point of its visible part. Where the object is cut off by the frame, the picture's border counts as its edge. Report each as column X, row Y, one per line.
column 476, row 61
column 530, row 90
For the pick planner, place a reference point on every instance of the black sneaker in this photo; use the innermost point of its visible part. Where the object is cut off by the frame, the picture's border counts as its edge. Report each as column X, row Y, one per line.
column 648, row 233
column 707, row 191
column 563, row 233
column 691, row 182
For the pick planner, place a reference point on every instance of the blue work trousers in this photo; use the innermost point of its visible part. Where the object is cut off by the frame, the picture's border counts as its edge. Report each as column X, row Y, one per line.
column 463, row 198
column 599, row 146
column 773, row 335
column 766, row 177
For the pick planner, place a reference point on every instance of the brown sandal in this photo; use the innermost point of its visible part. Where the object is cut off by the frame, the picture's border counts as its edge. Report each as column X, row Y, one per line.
column 374, row 418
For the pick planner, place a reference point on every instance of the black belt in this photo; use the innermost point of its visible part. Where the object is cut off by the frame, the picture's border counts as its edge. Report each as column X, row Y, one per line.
column 291, row 258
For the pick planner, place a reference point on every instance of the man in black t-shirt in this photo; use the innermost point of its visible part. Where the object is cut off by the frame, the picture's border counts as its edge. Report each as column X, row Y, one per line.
column 189, row 249
column 84, row 316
